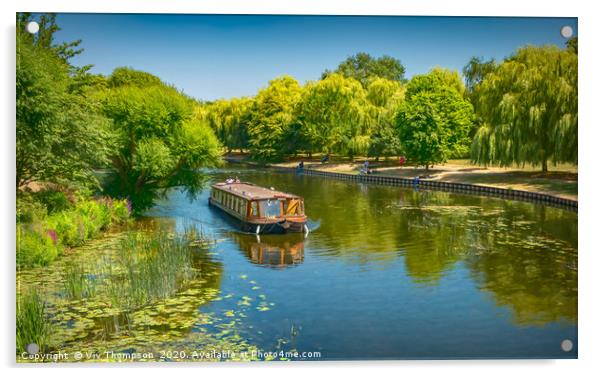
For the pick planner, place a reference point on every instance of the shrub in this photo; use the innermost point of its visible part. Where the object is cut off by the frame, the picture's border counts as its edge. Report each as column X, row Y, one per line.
column 28, row 210
column 34, row 248
column 39, row 242
column 54, row 200
column 121, row 211
column 67, row 227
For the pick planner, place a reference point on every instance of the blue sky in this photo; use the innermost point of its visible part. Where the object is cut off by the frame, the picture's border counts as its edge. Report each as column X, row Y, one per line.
column 223, row 56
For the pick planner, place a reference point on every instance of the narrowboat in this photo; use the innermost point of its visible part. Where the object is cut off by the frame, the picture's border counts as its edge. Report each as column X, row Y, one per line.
column 258, row 209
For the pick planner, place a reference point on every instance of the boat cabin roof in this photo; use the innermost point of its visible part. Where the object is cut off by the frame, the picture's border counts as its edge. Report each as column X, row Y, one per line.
column 251, row 191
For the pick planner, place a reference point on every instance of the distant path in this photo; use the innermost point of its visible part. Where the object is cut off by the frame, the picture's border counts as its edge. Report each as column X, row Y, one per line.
column 508, row 184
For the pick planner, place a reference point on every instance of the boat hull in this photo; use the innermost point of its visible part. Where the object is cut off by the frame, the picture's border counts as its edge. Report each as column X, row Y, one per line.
column 276, row 227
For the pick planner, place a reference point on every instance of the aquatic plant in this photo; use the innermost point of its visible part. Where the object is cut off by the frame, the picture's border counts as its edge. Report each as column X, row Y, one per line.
column 156, row 264
column 78, row 285
column 32, row 323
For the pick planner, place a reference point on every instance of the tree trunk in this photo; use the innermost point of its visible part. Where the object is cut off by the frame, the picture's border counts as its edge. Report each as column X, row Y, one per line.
column 544, row 166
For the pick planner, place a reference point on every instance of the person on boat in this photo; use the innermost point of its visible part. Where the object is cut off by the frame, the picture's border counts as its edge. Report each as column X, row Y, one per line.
column 325, row 158
column 300, row 165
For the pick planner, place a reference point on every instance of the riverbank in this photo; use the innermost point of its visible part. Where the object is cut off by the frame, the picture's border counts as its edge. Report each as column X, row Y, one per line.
column 47, row 228
column 557, row 186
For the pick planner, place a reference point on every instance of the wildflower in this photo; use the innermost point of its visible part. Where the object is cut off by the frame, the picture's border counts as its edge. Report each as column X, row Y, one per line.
column 52, row 235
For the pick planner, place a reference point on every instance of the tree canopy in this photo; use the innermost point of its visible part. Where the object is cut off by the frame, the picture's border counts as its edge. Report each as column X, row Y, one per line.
column 124, row 76
column 435, row 119
column 160, row 142
column 333, row 115
column 61, row 135
column 529, row 107
column 386, row 97
column 229, row 120
column 271, row 115
column 363, row 67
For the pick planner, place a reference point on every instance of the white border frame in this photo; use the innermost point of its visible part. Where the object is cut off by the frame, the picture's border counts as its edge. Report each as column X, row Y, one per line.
column 589, row 132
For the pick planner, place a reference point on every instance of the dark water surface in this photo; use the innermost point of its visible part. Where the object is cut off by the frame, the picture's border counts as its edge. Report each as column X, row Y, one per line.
column 389, row 272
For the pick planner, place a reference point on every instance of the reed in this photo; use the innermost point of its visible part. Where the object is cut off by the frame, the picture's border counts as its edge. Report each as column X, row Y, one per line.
column 155, row 266
column 33, row 326
column 78, row 284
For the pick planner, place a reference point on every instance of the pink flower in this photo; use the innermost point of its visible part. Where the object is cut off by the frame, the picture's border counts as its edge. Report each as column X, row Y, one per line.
column 52, row 235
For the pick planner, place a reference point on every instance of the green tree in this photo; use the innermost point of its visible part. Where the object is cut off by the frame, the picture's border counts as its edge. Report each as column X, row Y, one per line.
column 61, row 134
column 160, row 142
column 44, row 38
column 434, row 121
column 385, row 96
column 270, row 117
column 475, row 72
column 334, row 116
column 124, row 76
column 572, row 45
column 364, row 68
column 529, row 108
column 229, row 120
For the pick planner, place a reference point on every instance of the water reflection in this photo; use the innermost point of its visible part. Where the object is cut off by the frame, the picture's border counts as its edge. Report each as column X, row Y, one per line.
column 524, row 256
column 430, row 273
column 275, row 251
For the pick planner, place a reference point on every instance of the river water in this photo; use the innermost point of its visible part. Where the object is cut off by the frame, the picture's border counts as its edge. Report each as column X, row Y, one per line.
column 389, row 273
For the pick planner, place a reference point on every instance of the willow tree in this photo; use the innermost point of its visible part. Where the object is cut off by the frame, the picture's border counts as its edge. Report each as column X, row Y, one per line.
column 159, row 142
column 334, row 116
column 270, row 116
column 529, row 108
column 385, row 96
column 229, row 120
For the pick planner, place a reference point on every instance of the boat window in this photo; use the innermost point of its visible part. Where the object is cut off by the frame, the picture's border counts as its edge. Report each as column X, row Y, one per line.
column 254, row 211
column 270, row 208
column 292, row 207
